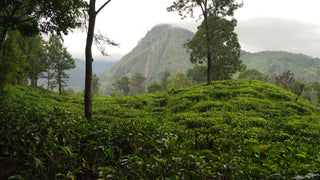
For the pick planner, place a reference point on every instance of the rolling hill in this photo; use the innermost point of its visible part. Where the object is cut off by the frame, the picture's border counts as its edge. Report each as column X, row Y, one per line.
column 235, row 129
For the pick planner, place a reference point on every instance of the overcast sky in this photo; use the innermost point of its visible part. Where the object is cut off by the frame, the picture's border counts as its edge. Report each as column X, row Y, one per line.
column 290, row 25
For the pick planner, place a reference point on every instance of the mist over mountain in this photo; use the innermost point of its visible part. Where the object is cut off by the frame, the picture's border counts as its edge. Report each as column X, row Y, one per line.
column 77, row 75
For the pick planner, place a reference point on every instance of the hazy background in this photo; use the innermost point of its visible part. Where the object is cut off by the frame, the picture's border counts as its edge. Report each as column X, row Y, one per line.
column 289, row 25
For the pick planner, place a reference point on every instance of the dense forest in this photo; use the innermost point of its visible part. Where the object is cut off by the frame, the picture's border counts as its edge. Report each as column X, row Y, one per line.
column 220, row 116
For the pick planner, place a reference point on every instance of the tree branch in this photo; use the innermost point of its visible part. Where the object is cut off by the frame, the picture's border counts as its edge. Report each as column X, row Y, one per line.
column 103, row 6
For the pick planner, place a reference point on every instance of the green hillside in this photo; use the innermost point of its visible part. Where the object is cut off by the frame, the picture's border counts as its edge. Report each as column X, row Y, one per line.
column 239, row 129
column 161, row 49
column 269, row 62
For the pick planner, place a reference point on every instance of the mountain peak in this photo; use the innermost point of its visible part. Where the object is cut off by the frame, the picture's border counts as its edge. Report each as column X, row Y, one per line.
column 160, row 50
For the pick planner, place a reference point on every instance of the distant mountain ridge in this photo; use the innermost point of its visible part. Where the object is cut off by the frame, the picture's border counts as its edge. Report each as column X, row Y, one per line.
column 162, row 49
column 275, row 62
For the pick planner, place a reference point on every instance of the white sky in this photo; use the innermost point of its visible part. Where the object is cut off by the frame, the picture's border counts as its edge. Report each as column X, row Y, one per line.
column 291, row 25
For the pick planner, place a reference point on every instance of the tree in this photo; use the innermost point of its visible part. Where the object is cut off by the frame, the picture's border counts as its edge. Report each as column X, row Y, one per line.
column 253, row 74
column 34, row 49
column 92, row 13
column 13, row 60
column 287, row 81
column 95, row 84
column 33, row 16
column 209, row 8
column 224, row 47
column 312, row 93
column 197, row 74
column 179, row 80
column 137, row 84
column 61, row 60
column 165, row 80
column 122, row 85
column 154, row 87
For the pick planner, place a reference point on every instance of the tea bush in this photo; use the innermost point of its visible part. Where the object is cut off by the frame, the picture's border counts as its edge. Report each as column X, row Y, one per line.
column 241, row 129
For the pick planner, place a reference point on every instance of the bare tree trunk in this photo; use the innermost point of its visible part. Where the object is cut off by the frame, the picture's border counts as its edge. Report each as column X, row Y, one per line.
column 89, row 59
column 205, row 14
column 209, row 67
column 59, row 83
column 48, row 80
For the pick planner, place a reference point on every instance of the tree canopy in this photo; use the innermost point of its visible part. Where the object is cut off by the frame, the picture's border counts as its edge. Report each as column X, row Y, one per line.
column 223, row 46
column 33, row 16
column 209, row 8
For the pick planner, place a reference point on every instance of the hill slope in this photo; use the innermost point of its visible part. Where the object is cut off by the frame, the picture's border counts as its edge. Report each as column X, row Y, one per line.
column 238, row 129
column 161, row 49
column 270, row 62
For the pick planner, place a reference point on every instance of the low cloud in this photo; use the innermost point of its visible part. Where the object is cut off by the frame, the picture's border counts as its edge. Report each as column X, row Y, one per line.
column 262, row 34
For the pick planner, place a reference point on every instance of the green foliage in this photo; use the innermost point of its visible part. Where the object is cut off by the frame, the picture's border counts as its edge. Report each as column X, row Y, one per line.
column 34, row 49
column 12, row 61
column 269, row 62
column 165, row 79
column 154, row 87
column 253, row 74
column 197, row 74
column 32, row 16
column 223, row 46
column 95, row 85
column 137, row 84
column 179, row 80
column 122, row 85
column 241, row 129
column 59, row 60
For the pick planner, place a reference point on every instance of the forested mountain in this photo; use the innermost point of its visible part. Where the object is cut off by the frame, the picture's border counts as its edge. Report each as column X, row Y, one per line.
column 161, row 49
column 270, row 62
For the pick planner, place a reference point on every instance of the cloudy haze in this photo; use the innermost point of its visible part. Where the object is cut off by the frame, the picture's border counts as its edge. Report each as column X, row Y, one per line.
column 290, row 25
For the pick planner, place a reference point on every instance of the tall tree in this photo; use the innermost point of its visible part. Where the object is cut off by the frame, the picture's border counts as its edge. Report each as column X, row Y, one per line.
column 34, row 49
column 154, row 87
column 13, row 60
column 165, row 79
column 61, row 60
column 33, row 16
column 253, row 74
column 197, row 74
column 223, row 47
column 95, row 84
column 88, row 51
column 122, row 85
column 137, row 84
column 179, row 80
column 216, row 8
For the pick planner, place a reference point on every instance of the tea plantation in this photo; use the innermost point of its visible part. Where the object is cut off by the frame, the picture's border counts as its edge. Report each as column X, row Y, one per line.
column 238, row 129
